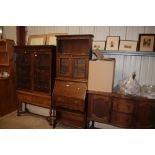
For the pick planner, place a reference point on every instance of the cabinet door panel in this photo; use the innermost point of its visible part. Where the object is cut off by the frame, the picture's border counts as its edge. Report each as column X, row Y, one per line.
column 123, row 105
column 145, row 116
column 23, row 70
column 42, row 77
column 80, row 68
column 99, row 108
column 63, row 67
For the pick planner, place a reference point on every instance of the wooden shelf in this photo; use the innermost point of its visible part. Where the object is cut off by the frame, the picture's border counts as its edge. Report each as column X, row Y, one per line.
column 132, row 53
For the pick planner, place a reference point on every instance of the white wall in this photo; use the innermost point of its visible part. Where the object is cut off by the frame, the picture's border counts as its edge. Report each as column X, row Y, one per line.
column 9, row 32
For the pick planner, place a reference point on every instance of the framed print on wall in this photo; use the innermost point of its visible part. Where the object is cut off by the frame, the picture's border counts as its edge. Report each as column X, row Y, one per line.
column 98, row 45
column 37, row 39
column 146, row 42
column 112, row 43
column 128, row 45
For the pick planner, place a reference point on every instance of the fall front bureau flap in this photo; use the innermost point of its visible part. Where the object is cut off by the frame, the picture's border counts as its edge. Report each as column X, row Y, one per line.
column 70, row 89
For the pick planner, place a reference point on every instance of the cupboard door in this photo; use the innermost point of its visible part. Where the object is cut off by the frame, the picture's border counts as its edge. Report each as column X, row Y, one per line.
column 23, row 70
column 144, row 116
column 80, row 68
column 64, row 67
column 99, row 108
column 42, row 75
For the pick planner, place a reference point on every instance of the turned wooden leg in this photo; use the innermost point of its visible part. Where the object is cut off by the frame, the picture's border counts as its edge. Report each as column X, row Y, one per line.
column 19, row 107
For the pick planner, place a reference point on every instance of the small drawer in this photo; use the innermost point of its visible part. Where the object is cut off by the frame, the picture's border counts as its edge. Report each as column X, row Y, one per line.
column 123, row 105
column 35, row 99
column 121, row 120
column 41, row 101
column 73, row 119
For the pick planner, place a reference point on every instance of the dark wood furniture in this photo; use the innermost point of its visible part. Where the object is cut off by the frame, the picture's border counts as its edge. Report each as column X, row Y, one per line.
column 69, row 94
column 35, row 73
column 120, row 110
column 7, row 78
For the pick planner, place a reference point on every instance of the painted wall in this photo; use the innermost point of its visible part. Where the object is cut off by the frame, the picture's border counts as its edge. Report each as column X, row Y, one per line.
column 9, row 32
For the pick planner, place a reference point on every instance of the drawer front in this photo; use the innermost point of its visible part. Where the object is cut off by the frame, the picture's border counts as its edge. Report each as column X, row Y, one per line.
column 70, row 89
column 121, row 120
column 123, row 105
column 43, row 101
column 73, row 119
column 69, row 103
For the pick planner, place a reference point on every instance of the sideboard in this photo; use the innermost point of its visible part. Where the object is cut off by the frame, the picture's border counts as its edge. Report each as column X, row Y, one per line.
column 120, row 110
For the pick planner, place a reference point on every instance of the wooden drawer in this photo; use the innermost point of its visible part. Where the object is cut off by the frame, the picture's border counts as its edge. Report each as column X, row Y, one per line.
column 123, row 105
column 121, row 120
column 76, row 120
column 35, row 99
column 69, row 103
column 70, row 89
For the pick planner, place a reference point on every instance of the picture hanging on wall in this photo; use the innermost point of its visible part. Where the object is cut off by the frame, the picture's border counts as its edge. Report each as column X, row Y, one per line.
column 112, row 43
column 146, row 42
column 37, row 39
column 127, row 45
column 98, row 45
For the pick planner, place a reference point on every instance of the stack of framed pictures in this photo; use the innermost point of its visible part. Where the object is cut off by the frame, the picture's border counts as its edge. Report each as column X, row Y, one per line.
column 146, row 43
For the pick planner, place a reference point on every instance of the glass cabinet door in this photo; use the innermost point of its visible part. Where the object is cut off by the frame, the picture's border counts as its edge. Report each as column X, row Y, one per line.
column 80, row 69
column 64, row 67
column 23, row 70
column 42, row 76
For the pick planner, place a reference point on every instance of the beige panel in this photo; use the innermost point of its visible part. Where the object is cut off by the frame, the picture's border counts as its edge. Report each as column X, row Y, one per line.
column 35, row 30
column 150, row 29
column 87, row 30
column 101, row 75
column 9, row 32
column 73, row 30
column 118, row 31
column 61, row 29
column 101, row 33
column 133, row 32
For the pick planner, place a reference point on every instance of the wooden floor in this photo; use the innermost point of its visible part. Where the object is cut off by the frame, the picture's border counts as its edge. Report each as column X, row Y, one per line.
column 27, row 121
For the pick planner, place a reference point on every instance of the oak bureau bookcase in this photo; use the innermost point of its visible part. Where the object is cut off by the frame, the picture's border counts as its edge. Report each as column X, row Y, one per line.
column 69, row 94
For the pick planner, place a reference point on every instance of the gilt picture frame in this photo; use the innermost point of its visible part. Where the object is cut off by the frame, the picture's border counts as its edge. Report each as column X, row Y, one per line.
column 112, row 43
column 98, row 45
column 128, row 45
column 37, row 39
column 146, row 42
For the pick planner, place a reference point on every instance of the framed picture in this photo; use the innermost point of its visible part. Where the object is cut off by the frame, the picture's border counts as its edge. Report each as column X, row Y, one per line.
column 146, row 42
column 37, row 39
column 112, row 43
column 127, row 45
column 51, row 38
column 98, row 45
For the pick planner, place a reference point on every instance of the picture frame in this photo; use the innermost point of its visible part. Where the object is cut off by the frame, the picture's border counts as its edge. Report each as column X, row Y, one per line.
column 146, row 42
column 112, row 43
column 51, row 38
column 37, row 39
column 98, row 45
column 128, row 45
